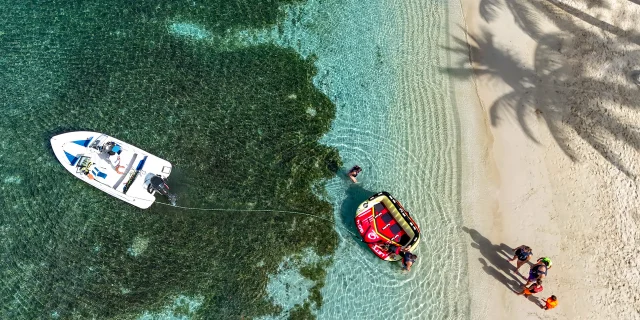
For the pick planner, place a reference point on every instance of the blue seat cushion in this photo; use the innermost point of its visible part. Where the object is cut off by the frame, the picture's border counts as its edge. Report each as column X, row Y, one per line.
column 99, row 173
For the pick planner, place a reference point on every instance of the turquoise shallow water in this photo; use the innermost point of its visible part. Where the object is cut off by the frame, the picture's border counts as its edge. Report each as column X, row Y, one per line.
column 396, row 118
column 257, row 104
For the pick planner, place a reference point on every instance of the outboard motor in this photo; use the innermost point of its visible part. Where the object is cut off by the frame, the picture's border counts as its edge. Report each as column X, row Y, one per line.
column 159, row 185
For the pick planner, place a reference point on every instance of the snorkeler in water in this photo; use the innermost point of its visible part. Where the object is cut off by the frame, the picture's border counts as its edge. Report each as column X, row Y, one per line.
column 353, row 173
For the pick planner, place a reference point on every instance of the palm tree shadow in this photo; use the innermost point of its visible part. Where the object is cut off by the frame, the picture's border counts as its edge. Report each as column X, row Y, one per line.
column 558, row 90
column 489, row 9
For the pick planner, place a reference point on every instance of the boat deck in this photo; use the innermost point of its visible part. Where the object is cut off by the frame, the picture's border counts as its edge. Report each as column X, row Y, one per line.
column 106, row 169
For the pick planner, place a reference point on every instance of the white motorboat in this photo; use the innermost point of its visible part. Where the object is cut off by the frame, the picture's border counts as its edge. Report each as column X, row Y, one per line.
column 114, row 166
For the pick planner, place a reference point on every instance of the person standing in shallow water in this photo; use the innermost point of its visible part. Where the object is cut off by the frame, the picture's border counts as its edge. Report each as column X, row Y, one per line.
column 523, row 254
column 408, row 259
column 353, row 173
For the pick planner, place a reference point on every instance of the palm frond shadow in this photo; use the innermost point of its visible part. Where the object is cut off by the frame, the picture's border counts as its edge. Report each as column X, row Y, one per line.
column 489, row 9
column 558, row 90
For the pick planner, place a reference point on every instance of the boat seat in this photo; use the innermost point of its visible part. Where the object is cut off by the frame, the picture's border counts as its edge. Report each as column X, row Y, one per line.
column 387, row 218
column 97, row 173
column 398, row 217
column 395, row 228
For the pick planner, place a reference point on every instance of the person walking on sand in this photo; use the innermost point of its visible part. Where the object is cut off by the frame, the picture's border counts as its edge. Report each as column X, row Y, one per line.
column 523, row 254
column 534, row 288
column 538, row 271
column 353, row 173
column 546, row 261
column 550, row 303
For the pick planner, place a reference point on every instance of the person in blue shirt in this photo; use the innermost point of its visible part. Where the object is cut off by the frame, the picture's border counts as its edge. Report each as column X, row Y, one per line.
column 523, row 254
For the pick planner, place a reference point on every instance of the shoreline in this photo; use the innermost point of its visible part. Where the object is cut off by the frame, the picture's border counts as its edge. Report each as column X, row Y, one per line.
column 478, row 174
column 531, row 175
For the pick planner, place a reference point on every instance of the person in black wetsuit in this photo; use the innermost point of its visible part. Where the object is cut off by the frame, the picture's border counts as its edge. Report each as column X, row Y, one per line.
column 523, row 254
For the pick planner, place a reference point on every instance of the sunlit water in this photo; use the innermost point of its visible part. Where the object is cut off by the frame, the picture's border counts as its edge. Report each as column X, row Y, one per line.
column 395, row 119
column 251, row 101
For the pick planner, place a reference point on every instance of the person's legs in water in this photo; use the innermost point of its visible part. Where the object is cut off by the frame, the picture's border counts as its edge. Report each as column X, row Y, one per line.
column 407, row 260
column 402, row 254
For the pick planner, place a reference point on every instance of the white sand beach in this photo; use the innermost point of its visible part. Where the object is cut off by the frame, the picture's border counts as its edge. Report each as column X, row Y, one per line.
column 550, row 147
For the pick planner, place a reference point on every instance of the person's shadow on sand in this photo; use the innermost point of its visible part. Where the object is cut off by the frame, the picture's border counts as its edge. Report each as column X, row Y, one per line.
column 511, row 284
column 538, row 302
column 497, row 256
column 506, row 251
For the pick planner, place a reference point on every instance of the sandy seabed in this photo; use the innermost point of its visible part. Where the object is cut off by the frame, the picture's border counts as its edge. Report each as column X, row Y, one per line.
column 548, row 101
